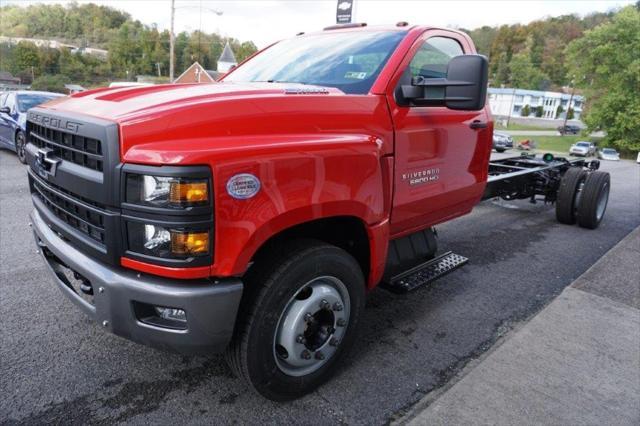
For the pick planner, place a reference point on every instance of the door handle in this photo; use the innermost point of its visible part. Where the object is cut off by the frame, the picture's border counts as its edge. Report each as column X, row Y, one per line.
column 477, row 124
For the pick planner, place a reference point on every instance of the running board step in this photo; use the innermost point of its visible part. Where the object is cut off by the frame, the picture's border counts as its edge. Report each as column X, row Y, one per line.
column 425, row 273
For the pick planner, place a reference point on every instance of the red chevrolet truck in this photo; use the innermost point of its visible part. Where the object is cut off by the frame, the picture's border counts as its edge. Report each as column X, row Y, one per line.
column 251, row 216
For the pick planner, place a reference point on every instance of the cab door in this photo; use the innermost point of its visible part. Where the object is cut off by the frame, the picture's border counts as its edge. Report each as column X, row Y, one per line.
column 441, row 155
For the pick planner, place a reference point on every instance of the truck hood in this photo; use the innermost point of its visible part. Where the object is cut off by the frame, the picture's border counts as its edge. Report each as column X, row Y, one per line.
column 127, row 103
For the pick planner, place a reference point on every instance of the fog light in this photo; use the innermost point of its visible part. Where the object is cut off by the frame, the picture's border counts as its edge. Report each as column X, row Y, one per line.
column 172, row 314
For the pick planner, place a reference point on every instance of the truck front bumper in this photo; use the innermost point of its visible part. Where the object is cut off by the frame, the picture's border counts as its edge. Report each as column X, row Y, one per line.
column 123, row 301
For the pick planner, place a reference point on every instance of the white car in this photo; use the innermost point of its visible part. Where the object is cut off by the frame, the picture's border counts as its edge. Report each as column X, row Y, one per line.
column 582, row 148
column 608, row 154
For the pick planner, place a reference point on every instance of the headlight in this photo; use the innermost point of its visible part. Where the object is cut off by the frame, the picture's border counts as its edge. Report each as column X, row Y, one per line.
column 168, row 242
column 168, row 192
column 167, row 215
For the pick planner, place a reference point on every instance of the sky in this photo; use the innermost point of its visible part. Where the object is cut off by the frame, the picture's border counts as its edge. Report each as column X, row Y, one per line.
column 266, row 21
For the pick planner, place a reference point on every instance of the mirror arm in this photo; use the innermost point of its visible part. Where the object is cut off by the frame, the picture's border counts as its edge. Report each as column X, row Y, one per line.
column 438, row 82
column 412, row 92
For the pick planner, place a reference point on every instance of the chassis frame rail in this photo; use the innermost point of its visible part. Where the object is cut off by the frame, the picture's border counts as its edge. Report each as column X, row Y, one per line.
column 528, row 176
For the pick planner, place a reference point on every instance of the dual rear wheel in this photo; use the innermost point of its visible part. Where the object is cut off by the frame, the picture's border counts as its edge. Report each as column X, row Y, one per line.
column 583, row 197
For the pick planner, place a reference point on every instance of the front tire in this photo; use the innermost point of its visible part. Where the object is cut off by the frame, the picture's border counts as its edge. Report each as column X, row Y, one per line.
column 500, row 150
column 299, row 317
column 21, row 142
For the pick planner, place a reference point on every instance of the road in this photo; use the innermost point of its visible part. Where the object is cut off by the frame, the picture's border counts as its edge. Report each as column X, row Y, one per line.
column 58, row 367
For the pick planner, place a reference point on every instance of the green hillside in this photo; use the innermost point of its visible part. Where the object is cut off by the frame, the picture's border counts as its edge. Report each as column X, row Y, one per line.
column 134, row 48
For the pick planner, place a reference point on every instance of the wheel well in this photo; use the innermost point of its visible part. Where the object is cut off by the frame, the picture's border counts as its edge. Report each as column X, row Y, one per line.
column 348, row 233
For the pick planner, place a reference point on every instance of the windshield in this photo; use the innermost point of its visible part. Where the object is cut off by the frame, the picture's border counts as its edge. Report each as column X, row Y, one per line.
column 349, row 61
column 29, row 101
column 583, row 144
column 609, row 151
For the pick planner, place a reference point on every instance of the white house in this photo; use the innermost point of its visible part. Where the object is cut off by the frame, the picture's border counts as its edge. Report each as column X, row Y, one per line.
column 511, row 102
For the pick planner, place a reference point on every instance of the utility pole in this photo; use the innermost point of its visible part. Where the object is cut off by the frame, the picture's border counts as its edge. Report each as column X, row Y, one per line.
column 513, row 98
column 200, row 37
column 566, row 114
column 171, row 41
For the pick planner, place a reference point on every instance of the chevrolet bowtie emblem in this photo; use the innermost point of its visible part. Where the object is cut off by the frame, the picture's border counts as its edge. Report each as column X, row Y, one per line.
column 45, row 162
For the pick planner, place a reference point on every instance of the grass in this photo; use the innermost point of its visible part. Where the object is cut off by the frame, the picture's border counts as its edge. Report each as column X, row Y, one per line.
column 516, row 126
column 561, row 144
column 555, row 143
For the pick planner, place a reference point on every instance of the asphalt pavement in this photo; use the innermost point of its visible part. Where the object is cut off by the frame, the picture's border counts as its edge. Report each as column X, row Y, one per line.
column 56, row 366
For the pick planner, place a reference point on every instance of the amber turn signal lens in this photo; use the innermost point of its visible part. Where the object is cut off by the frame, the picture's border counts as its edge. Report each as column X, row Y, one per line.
column 189, row 242
column 188, row 192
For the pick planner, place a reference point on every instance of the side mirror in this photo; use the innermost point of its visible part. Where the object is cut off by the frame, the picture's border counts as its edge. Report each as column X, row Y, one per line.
column 5, row 110
column 464, row 88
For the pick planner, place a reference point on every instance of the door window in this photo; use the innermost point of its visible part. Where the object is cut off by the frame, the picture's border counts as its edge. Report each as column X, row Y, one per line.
column 433, row 57
column 9, row 102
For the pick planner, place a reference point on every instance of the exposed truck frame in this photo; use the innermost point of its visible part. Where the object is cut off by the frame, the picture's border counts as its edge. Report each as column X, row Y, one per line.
column 251, row 216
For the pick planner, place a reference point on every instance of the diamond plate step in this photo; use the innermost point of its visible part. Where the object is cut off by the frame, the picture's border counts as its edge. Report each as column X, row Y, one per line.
column 425, row 273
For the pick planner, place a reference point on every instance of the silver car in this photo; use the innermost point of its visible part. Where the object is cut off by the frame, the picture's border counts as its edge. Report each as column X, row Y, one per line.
column 582, row 148
column 502, row 141
column 608, row 154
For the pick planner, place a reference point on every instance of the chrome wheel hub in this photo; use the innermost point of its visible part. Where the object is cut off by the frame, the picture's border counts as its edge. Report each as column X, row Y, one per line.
column 311, row 326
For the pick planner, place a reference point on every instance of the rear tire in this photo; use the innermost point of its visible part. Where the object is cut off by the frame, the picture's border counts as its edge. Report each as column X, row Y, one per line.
column 280, row 289
column 20, row 146
column 566, row 199
column 594, row 199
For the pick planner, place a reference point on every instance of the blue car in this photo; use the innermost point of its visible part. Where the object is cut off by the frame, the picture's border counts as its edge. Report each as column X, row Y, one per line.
column 13, row 117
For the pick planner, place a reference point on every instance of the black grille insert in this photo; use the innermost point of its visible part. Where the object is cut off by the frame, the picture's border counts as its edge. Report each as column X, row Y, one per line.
column 80, row 215
column 77, row 149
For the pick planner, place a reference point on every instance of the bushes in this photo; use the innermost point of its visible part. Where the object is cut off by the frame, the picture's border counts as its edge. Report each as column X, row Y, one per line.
column 51, row 83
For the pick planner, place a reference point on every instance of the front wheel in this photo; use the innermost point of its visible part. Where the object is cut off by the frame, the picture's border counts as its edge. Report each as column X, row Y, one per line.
column 301, row 314
column 20, row 147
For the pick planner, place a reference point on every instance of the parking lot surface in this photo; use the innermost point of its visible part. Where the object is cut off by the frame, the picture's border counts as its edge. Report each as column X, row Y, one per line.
column 57, row 366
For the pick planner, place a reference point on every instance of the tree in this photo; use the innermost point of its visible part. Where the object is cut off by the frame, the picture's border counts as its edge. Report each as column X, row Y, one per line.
column 539, row 111
column 524, row 75
column 50, row 83
column 25, row 56
column 559, row 111
column 570, row 114
column 245, row 50
column 526, row 111
column 605, row 63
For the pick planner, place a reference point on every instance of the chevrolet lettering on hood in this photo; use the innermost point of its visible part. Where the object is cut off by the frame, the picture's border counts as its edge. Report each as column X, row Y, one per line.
column 306, row 91
column 53, row 122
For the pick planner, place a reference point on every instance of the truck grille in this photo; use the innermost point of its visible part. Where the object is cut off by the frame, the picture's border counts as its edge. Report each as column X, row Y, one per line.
column 81, row 215
column 77, row 149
